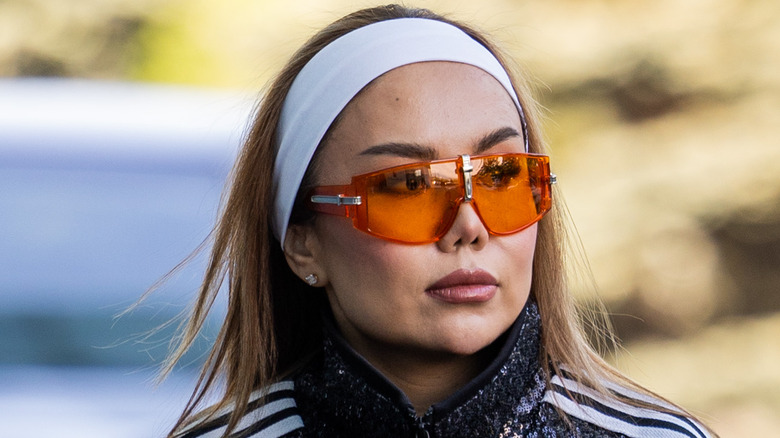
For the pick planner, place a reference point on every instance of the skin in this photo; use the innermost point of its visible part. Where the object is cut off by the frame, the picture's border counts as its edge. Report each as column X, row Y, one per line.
column 377, row 289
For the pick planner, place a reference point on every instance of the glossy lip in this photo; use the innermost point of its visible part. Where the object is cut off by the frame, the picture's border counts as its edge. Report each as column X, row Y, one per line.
column 464, row 286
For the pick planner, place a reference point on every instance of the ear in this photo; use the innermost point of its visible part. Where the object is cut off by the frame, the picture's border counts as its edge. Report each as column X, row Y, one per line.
column 301, row 251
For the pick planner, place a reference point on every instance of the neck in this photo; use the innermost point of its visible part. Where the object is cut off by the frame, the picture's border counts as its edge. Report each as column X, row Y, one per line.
column 427, row 378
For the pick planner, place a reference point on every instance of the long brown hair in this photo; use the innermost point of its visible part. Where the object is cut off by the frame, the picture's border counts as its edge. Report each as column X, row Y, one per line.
column 271, row 326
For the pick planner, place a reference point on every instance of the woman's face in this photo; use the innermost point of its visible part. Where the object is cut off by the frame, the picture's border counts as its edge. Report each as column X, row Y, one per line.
column 455, row 296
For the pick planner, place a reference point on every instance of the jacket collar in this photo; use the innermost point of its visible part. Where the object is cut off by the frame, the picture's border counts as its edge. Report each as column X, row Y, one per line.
column 342, row 394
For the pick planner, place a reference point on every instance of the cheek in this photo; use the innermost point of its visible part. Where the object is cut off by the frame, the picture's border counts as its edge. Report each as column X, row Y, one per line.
column 525, row 245
column 516, row 255
column 370, row 271
column 523, row 248
column 353, row 260
column 375, row 287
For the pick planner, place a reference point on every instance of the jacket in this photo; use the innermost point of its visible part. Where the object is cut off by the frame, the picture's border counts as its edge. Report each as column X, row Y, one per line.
column 339, row 394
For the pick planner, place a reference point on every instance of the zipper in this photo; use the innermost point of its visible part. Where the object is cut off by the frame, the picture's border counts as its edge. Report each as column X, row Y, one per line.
column 421, row 427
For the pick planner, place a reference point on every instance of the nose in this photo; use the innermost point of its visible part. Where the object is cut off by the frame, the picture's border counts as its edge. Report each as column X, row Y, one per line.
column 466, row 230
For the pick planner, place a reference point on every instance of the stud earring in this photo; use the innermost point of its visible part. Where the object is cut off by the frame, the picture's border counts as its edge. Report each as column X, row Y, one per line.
column 311, row 279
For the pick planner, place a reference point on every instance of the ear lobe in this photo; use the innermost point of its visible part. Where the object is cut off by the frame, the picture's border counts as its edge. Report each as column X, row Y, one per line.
column 300, row 250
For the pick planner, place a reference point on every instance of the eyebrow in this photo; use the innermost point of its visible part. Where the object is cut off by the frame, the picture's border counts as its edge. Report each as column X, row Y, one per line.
column 422, row 152
column 495, row 138
column 406, row 150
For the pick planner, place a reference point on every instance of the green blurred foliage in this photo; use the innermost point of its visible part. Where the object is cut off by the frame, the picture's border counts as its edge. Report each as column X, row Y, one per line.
column 171, row 50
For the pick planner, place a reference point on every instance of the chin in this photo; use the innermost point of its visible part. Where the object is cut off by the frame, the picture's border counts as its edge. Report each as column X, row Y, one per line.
column 469, row 343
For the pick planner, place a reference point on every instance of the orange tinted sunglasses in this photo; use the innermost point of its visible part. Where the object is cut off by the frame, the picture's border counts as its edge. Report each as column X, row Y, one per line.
column 417, row 203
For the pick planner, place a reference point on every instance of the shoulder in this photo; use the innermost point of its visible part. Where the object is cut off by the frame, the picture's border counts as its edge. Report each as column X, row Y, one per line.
column 271, row 413
column 592, row 407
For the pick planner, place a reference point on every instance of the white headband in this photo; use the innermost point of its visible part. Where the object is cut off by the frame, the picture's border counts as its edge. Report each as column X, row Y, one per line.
column 329, row 81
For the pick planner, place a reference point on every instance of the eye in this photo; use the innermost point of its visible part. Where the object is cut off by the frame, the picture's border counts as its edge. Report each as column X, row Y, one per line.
column 498, row 173
column 406, row 181
column 415, row 180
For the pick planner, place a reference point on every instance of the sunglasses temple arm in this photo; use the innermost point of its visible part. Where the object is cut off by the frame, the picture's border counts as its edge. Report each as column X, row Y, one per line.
column 336, row 205
column 338, row 200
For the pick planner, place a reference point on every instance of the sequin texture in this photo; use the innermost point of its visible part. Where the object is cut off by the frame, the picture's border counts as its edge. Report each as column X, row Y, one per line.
column 341, row 395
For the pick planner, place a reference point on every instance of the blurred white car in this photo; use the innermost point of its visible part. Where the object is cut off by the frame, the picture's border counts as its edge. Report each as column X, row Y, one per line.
column 104, row 187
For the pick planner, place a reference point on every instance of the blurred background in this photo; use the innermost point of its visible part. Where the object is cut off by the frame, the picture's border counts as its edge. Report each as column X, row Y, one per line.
column 663, row 119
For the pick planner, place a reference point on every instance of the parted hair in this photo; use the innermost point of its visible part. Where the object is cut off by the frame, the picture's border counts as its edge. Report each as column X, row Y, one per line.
column 272, row 322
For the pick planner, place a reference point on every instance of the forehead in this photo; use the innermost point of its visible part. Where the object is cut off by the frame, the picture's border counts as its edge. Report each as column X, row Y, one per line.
column 444, row 106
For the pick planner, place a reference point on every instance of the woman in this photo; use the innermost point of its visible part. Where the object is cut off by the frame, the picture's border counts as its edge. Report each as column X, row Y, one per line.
column 390, row 269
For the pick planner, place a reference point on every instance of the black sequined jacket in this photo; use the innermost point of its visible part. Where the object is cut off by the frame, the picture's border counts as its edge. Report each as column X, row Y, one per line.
column 339, row 394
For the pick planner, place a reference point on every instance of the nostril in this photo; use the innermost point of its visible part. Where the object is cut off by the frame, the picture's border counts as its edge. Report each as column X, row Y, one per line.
column 467, row 229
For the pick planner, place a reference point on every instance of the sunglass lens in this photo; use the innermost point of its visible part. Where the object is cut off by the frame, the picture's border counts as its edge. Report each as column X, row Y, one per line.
column 507, row 193
column 408, row 204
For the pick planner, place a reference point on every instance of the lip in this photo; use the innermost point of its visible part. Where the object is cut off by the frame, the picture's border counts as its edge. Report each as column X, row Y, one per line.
column 464, row 286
